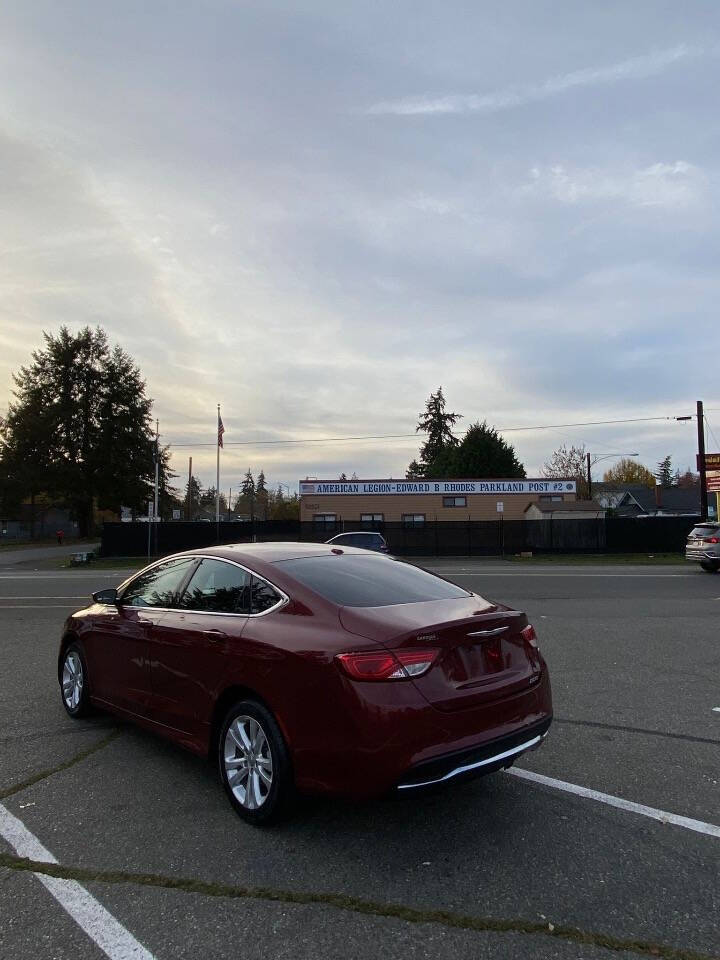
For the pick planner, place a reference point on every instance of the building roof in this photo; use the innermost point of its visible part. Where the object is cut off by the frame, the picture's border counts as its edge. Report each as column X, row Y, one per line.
column 567, row 506
column 672, row 499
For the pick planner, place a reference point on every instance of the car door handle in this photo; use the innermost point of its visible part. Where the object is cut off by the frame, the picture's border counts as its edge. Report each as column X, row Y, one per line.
column 144, row 623
column 489, row 633
column 214, row 635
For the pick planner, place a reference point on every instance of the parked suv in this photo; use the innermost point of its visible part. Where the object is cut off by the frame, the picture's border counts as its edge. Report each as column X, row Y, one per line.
column 703, row 546
column 367, row 541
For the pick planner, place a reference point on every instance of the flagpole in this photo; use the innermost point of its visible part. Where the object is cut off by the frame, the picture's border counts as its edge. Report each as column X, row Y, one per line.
column 217, row 487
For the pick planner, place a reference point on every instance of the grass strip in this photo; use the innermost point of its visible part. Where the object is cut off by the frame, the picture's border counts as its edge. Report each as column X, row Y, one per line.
column 65, row 765
column 351, row 904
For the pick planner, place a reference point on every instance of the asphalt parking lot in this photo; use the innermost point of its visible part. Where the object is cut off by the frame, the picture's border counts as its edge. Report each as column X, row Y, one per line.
column 157, row 864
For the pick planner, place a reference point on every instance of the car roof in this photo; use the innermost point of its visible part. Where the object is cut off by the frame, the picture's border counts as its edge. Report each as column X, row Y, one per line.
column 356, row 533
column 271, row 552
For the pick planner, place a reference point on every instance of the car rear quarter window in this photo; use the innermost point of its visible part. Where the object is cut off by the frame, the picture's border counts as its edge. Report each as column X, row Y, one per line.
column 218, row 587
column 262, row 596
column 157, row 586
column 352, row 580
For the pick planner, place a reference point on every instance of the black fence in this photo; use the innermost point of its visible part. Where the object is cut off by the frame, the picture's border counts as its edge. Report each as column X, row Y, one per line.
column 471, row 538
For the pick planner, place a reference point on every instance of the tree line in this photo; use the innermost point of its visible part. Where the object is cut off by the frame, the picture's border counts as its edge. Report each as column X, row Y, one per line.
column 80, row 430
column 481, row 454
column 253, row 501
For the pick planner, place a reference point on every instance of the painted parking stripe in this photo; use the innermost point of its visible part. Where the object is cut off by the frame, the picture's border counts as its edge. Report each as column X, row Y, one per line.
column 75, row 596
column 579, row 576
column 698, row 826
column 90, row 915
column 38, row 606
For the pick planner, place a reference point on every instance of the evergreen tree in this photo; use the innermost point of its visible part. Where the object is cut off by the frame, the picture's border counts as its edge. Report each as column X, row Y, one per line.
column 482, row 453
column 79, row 427
column 207, row 501
column 261, row 496
column 193, row 496
column 664, row 472
column 437, row 424
column 247, row 492
column 343, row 477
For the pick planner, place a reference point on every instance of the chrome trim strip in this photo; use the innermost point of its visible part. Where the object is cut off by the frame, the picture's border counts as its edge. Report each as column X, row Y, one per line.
column 474, row 766
column 284, row 598
column 489, row 633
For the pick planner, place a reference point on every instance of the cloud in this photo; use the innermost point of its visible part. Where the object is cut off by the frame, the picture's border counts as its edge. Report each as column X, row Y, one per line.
column 678, row 185
column 636, row 68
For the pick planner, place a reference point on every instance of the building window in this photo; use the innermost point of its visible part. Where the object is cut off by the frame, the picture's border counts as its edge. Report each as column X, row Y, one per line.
column 550, row 498
column 372, row 521
column 454, row 501
column 413, row 519
column 325, row 521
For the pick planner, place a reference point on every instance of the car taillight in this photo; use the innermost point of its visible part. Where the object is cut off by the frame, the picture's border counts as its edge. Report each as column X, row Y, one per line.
column 529, row 636
column 383, row 665
column 711, row 540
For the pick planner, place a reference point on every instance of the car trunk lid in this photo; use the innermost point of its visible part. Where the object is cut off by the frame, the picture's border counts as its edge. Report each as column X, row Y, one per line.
column 482, row 652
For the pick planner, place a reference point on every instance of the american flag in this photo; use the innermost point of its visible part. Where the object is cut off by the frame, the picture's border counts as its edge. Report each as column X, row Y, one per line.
column 221, row 431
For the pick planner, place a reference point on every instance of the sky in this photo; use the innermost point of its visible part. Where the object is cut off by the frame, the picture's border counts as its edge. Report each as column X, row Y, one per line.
column 316, row 213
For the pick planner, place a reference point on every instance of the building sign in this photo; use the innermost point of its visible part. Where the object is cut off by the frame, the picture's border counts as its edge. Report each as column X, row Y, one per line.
column 364, row 488
column 713, row 483
column 712, row 461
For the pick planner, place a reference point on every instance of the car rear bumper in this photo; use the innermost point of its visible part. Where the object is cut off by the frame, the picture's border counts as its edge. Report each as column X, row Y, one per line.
column 494, row 755
column 698, row 555
column 390, row 736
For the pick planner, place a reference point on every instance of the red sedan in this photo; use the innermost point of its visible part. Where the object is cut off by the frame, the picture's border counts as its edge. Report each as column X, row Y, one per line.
column 313, row 668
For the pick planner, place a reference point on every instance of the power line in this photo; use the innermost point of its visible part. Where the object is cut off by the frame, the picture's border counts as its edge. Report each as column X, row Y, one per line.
column 405, row 436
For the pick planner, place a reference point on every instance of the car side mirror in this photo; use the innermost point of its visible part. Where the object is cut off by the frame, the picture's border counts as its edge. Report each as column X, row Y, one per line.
column 109, row 596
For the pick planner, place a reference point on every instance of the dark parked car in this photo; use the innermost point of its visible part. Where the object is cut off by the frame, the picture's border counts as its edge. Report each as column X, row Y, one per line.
column 703, row 546
column 313, row 668
column 366, row 541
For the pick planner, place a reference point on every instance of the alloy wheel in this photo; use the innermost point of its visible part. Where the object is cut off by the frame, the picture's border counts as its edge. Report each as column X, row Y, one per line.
column 72, row 680
column 248, row 762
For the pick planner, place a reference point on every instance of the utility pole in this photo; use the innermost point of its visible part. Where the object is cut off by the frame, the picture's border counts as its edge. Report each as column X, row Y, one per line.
column 217, row 482
column 189, row 496
column 701, row 460
column 157, row 466
column 589, row 477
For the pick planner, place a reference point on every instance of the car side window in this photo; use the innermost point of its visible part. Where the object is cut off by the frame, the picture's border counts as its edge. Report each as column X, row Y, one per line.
column 218, row 587
column 263, row 596
column 157, row 587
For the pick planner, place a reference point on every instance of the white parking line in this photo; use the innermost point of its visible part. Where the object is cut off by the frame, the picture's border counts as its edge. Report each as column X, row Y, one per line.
column 91, row 916
column 579, row 576
column 78, row 596
column 698, row 826
column 38, row 606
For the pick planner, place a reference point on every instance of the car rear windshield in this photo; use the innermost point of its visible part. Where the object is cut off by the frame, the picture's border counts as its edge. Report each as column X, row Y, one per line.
column 707, row 531
column 355, row 581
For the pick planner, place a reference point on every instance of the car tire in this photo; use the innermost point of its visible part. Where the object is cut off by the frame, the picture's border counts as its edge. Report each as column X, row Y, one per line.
column 73, row 678
column 709, row 566
column 254, row 763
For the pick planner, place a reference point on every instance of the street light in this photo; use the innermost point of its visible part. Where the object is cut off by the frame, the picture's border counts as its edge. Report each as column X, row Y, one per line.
column 592, row 461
